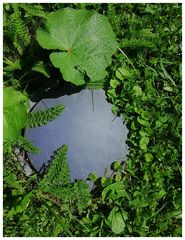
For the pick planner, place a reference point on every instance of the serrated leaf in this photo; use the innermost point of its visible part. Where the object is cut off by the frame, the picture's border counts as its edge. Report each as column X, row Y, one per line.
column 85, row 39
column 14, row 114
column 116, row 219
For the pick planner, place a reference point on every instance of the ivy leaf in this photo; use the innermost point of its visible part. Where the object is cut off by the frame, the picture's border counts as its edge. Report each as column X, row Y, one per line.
column 85, row 40
column 14, row 114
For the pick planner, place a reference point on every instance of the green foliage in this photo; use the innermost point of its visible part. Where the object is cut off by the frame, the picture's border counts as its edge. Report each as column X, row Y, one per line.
column 57, row 175
column 15, row 106
column 78, row 34
column 40, row 118
column 27, row 146
column 41, row 68
column 56, row 182
column 143, row 196
column 34, row 10
column 116, row 219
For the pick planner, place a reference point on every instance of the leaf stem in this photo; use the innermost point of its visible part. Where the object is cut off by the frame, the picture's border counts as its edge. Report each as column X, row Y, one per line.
column 126, row 57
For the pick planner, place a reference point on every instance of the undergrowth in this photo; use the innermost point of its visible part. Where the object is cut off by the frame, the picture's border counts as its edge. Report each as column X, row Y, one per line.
column 143, row 196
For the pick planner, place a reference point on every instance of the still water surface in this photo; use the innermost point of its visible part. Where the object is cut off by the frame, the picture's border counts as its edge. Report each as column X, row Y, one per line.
column 94, row 136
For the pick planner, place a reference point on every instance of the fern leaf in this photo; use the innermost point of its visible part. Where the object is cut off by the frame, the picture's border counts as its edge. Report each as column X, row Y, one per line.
column 11, row 65
column 10, row 180
column 57, row 175
column 41, row 68
column 40, row 118
column 19, row 27
column 26, row 145
column 81, row 194
column 34, row 10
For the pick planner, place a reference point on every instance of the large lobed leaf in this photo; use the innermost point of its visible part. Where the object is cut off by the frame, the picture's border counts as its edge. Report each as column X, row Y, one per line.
column 85, row 40
column 14, row 114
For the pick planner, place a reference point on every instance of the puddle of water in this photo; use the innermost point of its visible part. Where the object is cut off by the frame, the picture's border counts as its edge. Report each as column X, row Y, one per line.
column 94, row 136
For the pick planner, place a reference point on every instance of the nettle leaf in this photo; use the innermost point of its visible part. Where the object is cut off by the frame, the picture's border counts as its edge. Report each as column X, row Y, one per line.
column 85, row 40
column 15, row 106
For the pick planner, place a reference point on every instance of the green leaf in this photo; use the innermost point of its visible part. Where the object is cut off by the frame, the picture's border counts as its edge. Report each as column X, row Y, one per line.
column 117, row 166
column 148, row 157
column 114, row 83
column 113, row 187
column 21, row 205
column 85, row 40
column 116, row 219
column 168, row 89
column 92, row 177
column 146, row 115
column 15, row 106
column 137, row 90
column 122, row 72
column 41, row 68
column 143, row 122
column 144, row 143
column 158, row 195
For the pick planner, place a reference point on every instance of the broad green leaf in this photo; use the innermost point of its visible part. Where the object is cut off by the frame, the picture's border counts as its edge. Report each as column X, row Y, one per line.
column 143, row 122
column 115, row 110
column 117, row 166
column 148, row 157
column 168, row 89
column 15, row 106
column 137, row 91
column 122, row 72
column 113, row 187
column 158, row 195
column 114, row 83
column 144, row 143
column 92, row 177
column 21, row 205
column 117, row 220
column 146, row 115
column 85, row 40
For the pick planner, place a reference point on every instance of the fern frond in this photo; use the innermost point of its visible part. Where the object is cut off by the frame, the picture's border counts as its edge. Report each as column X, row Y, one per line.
column 34, row 10
column 81, row 194
column 41, row 68
column 21, row 38
column 40, row 118
column 10, row 180
column 58, row 174
column 26, row 145
column 11, row 65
